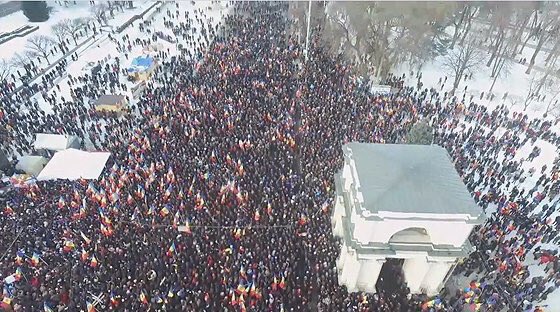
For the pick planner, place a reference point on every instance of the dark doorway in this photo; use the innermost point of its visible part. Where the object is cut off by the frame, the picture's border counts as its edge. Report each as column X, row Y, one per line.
column 391, row 276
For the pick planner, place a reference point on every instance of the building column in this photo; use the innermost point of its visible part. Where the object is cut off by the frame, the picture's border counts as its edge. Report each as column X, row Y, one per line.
column 350, row 271
column 369, row 273
column 337, row 216
column 415, row 270
column 342, row 257
column 432, row 281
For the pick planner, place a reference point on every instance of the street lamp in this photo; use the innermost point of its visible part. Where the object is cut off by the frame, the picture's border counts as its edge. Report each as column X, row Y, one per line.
column 306, row 52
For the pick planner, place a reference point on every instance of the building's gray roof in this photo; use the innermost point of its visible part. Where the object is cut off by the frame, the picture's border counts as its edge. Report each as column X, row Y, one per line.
column 410, row 179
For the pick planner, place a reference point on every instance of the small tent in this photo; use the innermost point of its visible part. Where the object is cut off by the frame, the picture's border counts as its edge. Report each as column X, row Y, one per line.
column 141, row 67
column 55, row 142
column 31, row 164
column 73, row 164
column 110, row 102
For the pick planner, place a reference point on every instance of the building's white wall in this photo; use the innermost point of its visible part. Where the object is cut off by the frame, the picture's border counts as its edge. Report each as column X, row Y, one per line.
column 346, row 176
column 369, row 272
column 339, row 212
column 437, row 272
column 415, row 269
column 440, row 232
column 348, row 274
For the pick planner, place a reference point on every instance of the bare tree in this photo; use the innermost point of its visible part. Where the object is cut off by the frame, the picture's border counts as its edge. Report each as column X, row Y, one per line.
column 41, row 45
column 524, row 11
column 533, row 29
column 531, row 91
column 99, row 12
column 73, row 27
column 5, row 69
column 457, row 19
column 60, row 31
column 471, row 13
column 513, row 101
column 21, row 60
column 381, row 34
column 548, row 29
column 462, row 61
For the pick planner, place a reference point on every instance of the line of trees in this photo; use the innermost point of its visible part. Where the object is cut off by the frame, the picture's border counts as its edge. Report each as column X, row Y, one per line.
column 41, row 48
column 378, row 36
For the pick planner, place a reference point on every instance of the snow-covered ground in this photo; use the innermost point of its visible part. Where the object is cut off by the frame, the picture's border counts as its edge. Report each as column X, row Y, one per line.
column 516, row 85
column 103, row 50
column 82, row 9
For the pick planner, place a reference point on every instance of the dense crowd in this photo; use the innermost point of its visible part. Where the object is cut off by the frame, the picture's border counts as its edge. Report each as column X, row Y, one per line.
column 235, row 143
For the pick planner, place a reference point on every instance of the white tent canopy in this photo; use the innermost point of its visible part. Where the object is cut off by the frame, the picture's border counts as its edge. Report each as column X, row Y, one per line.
column 55, row 142
column 31, row 164
column 74, row 164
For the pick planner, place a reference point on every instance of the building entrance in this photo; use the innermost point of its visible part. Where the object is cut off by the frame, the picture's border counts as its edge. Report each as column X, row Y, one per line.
column 391, row 276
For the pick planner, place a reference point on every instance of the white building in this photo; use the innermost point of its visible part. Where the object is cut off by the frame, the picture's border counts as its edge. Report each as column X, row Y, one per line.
column 401, row 201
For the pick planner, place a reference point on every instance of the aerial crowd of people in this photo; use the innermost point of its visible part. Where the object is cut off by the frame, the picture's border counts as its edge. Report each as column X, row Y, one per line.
column 218, row 192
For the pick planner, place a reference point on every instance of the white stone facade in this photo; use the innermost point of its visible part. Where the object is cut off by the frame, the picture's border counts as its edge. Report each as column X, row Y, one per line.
column 429, row 243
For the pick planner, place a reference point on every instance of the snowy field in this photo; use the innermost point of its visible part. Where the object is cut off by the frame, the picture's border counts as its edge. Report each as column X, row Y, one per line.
column 82, row 9
column 516, row 85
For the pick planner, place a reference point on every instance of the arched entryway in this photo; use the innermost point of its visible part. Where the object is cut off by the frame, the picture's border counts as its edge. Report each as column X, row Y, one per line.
column 412, row 235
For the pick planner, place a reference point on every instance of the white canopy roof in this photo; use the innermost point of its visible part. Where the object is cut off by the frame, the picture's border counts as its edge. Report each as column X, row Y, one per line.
column 74, row 164
column 55, row 142
column 31, row 164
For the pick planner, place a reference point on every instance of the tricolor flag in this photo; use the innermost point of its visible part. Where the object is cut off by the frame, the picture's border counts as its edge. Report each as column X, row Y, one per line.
column 164, row 211
column 171, row 250
column 93, row 262
column 143, row 298
column 20, row 254
column 90, row 307
column 168, row 191
column 8, row 210
column 199, row 201
column 68, row 245
column 7, row 300
column 240, row 168
column 106, row 230
column 240, row 290
column 61, row 202
column 176, row 218
column 129, row 199
column 84, row 255
column 237, row 233
column 282, row 283
column 274, row 283
column 104, row 219
column 113, row 299
column 35, row 259
column 233, row 299
column 85, row 238
column 302, row 219
column 18, row 274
